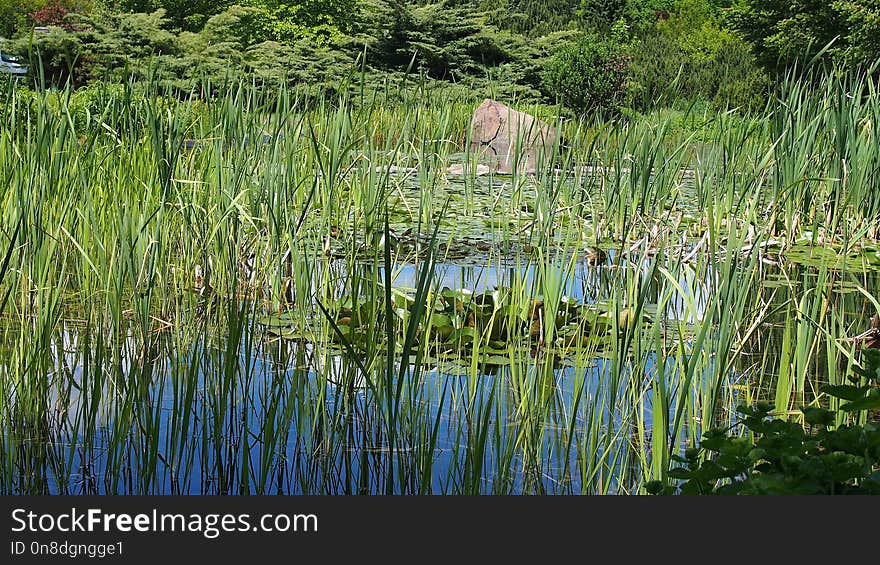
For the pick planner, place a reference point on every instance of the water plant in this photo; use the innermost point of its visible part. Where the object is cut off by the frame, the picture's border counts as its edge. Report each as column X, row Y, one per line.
column 260, row 293
column 818, row 456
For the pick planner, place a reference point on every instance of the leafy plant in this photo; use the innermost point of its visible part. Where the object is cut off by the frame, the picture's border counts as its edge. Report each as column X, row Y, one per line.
column 784, row 32
column 634, row 15
column 784, row 457
column 588, row 74
column 691, row 55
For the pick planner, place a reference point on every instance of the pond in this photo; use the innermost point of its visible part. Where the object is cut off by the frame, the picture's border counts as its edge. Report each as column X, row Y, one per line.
column 336, row 303
column 247, row 411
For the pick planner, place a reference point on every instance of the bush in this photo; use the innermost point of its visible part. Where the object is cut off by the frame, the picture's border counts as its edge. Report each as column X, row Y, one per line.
column 831, row 453
column 732, row 78
column 90, row 102
column 691, row 56
column 53, row 57
column 588, row 75
column 634, row 15
column 784, row 33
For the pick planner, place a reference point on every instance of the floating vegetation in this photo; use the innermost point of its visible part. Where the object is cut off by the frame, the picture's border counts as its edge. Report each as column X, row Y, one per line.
column 459, row 323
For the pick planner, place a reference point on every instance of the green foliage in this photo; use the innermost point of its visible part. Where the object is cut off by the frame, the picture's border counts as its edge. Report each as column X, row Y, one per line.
column 323, row 20
column 56, row 54
column 692, row 56
column 441, row 42
column 100, row 47
column 13, row 16
column 863, row 24
column 450, row 42
column 652, row 52
column 88, row 104
column 189, row 15
column 602, row 13
column 241, row 25
column 18, row 17
column 14, row 98
column 783, row 457
column 533, row 18
column 632, row 16
column 143, row 46
column 784, row 32
column 445, row 39
column 696, row 29
column 142, row 35
column 641, row 14
column 588, row 75
column 282, row 20
column 315, row 67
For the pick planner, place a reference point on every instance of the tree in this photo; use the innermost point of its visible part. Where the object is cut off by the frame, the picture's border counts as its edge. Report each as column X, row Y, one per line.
column 14, row 16
column 635, row 16
column 101, row 47
column 322, row 20
column 241, row 26
column 188, row 15
column 863, row 23
column 18, row 17
column 534, row 18
column 601, row 14
column 783, row 32
column 690, row 55
column 447, row 41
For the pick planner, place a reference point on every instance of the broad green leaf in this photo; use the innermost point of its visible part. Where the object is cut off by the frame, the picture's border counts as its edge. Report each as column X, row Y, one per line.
column 868, row 403
column 846, row 392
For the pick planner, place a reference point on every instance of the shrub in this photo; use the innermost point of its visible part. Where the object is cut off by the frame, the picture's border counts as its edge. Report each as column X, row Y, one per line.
column 588, row 75
column 783, row 33
column 691, row 56
column 634, row 15
column 53, row 57
column 783, row 457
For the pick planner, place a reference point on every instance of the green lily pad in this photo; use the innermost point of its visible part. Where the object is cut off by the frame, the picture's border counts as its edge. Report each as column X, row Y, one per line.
column 282, row 320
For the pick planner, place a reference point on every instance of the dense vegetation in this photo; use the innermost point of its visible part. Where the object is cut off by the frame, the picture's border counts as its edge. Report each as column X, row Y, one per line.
column 827, row 452
column 210, row 208
column 207, row 297
column 607, row 55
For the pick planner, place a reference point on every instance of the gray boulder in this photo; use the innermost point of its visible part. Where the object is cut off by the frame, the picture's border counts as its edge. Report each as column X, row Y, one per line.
column 509, row 140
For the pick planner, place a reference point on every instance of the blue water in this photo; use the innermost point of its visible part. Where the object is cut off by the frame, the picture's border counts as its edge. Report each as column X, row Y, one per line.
column 361, row 459
column 235, row 417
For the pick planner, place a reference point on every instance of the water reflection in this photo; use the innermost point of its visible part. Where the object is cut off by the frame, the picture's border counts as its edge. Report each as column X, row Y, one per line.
column 585, row 283
column 225, row 411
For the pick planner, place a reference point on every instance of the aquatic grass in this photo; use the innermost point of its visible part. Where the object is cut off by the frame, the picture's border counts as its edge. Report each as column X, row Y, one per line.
column 176, row 277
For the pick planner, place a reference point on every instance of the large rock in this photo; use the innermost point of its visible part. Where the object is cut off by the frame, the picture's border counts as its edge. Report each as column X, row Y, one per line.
column 509, row 140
